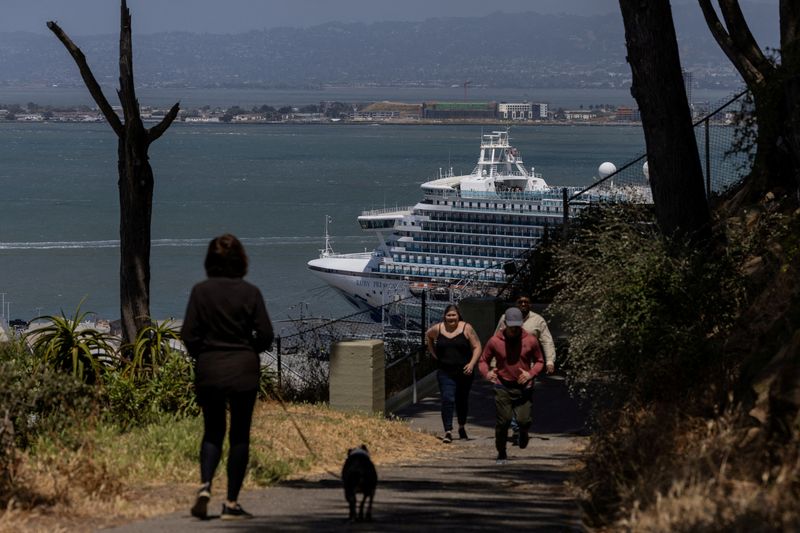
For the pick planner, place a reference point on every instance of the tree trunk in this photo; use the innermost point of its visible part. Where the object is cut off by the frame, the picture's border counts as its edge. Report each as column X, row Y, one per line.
column 676, row 176
column 136, row 207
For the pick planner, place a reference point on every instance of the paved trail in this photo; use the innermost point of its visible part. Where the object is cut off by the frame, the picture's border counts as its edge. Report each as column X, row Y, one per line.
column 462, row 489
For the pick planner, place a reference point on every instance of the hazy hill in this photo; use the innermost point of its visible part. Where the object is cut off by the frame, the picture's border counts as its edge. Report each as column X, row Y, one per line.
column 501, row 50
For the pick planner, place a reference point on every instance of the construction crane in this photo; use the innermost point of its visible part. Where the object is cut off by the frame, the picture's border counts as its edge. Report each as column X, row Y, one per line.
column 466, row 84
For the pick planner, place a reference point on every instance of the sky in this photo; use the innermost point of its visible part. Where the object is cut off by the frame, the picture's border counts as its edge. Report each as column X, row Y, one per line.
column 89, row 17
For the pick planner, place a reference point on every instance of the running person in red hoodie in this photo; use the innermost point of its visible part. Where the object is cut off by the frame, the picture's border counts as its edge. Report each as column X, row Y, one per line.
column 518, row 359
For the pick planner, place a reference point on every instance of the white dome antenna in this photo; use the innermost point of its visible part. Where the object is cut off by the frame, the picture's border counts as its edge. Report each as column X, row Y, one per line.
column 606, row 169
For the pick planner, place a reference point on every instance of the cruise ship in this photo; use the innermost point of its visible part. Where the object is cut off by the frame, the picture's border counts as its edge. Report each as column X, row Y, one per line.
column 462, row 234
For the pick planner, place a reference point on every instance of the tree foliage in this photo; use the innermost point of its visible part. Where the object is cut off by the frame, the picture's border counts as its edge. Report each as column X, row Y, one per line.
column 629, row 301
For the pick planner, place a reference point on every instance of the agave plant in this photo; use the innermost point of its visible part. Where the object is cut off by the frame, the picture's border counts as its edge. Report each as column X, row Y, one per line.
column 68, row 345
column 152, row 347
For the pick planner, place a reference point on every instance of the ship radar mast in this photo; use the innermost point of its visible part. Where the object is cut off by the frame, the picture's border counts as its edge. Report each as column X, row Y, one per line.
column 328, row 250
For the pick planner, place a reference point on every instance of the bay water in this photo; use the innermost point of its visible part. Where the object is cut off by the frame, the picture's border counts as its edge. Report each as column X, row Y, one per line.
column 271, row 185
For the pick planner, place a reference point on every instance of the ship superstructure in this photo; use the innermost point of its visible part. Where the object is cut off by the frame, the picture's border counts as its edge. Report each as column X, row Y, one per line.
column 465, row 229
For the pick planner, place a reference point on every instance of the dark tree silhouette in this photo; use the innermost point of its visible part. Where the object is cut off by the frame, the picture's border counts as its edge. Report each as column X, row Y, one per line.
column 676, row 177
column 776, row 93
column 135, row 175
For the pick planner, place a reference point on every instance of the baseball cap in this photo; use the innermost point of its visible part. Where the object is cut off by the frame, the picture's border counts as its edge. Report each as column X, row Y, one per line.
column 513, row 317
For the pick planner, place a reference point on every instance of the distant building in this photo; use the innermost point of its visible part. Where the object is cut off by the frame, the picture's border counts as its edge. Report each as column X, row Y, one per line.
column 523, row 111
column 579, row 114
column 247, row 118
column 627, row 114
column 459, row 110
column 30, row 117
column 374, row 115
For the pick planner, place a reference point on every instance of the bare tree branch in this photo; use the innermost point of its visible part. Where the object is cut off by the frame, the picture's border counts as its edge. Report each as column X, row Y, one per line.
column 741, row 35
column 156, row 131
column 88, row 78
column 126, row 87
column 752, row 76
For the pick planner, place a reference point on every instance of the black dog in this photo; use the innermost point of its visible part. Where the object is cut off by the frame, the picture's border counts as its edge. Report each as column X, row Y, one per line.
column 359, row 475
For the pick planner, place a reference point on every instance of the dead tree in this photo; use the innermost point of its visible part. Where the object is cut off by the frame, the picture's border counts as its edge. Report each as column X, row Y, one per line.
column 135, row 175
column 676, row 177
column 775, row 86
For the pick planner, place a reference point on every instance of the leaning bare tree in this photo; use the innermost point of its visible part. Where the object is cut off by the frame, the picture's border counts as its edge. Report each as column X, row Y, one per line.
column 775, row 86
column 135, row 176
column 676, row 177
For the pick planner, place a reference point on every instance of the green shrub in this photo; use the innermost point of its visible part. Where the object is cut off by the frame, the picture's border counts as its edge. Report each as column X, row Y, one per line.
column 37, row 403
column 152, row 347
column 138, row 398
column 67, row 345
column 642, row 313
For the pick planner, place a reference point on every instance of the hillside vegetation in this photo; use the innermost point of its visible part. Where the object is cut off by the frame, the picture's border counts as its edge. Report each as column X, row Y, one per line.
column 692, row 360
column 103, row 441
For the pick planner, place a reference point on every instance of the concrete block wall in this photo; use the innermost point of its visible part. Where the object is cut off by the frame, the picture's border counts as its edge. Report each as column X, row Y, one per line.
column 357, row 377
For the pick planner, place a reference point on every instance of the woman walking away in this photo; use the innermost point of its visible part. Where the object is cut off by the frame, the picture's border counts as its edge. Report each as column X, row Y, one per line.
column 455, row 345
column 225, row 328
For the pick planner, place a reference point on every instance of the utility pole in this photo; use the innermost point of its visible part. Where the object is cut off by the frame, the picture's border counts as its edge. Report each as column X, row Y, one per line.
column 466, row 84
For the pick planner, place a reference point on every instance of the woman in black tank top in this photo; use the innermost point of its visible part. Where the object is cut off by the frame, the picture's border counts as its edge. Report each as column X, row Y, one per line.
column 455, row 346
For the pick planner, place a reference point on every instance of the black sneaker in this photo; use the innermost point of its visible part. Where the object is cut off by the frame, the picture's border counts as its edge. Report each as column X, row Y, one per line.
column 234, row 513
column 448, row 438
column 200, row 507
column 462, row 433
column 515, row 438
column 524, row 438
column 502, row 458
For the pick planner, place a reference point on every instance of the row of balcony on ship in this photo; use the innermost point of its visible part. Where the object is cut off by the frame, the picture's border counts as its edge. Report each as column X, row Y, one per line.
column 493, row 219
column 441, row 272
column 495, row 198
column 442, row 231
column 498, row 207
column 423, row 257
column 506, row 248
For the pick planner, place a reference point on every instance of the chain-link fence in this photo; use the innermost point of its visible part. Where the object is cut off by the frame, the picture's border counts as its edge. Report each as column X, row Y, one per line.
column 301, row 355
column 724, row 163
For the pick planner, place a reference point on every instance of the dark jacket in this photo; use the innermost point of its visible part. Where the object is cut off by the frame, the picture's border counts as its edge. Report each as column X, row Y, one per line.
column 225, row 328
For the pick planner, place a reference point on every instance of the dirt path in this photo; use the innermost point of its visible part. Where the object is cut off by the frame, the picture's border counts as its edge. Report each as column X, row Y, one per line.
column 460, row 489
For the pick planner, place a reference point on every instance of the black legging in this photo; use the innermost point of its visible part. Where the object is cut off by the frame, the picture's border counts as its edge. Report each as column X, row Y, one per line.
column 213, row 402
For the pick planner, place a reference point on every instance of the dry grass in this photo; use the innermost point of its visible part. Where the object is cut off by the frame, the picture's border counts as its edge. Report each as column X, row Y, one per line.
column 154, row 470
column 705, row 475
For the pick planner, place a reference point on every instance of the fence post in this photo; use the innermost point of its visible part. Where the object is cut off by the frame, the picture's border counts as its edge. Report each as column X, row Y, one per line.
column 278, row 354
column 413, row 381
column 565, row 198
column 423, row 323
column 708, row 159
